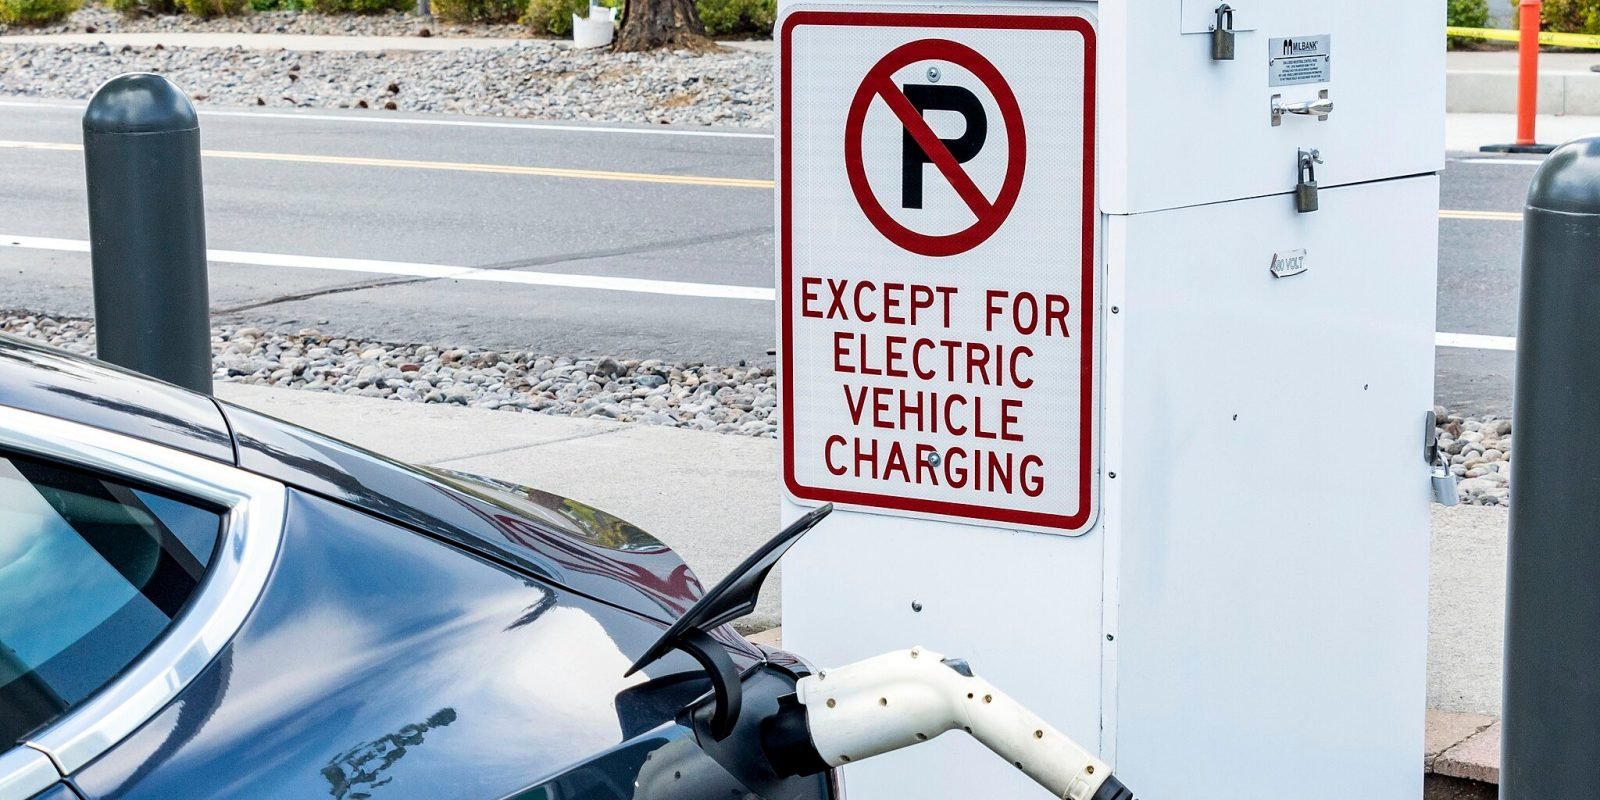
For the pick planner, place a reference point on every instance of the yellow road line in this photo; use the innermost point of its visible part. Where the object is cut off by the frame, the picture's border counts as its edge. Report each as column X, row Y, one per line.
column 1545, row 37
column 580, row 174
column 451, row 166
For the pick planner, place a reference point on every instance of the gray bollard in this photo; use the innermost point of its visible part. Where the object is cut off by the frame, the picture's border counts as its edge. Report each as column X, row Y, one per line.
column 1550, row 741
column 147, row 230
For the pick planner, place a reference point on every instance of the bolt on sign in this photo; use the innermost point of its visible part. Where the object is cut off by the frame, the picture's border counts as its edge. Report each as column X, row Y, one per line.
column 938, row 264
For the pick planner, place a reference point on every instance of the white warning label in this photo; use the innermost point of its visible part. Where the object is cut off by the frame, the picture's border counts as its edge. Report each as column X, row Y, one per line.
column 1295, row 60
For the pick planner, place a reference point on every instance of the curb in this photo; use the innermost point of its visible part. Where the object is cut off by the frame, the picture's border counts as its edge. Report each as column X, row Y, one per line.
column 1495, row 92
column 1462, row 758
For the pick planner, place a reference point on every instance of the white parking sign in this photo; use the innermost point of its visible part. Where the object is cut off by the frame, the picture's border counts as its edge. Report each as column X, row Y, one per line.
column 937, row 264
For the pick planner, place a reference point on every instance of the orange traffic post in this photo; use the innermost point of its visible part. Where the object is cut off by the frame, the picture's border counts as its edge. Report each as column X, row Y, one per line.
column 1528, row 72
column 1527, row 84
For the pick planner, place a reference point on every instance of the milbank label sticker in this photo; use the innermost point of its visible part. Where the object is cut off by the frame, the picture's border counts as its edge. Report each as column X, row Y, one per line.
column 1295, row 60
column 937, row 264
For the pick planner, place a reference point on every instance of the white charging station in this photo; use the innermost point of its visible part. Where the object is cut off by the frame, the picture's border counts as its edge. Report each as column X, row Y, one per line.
column 1110, row 334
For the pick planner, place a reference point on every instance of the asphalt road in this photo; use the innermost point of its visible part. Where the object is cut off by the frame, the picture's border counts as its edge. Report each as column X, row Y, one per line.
column 367, row 224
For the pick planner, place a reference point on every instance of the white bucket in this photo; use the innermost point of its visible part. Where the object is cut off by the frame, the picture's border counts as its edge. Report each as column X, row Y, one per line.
column 596, row 30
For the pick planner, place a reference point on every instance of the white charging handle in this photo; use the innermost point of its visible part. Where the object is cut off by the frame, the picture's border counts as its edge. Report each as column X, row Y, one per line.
column 907, row 697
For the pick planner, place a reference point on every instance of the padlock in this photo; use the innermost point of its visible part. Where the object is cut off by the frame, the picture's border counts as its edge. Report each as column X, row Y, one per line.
column 1445, row 491
column 1305, row 192
column 1222, row 34
column 1305, row 197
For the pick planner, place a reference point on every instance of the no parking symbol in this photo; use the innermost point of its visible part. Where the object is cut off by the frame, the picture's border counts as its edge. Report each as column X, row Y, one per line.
column 921, row 146
column 937, row 265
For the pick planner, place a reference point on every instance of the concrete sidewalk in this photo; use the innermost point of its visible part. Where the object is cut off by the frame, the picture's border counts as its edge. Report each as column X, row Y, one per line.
column 1465, row 747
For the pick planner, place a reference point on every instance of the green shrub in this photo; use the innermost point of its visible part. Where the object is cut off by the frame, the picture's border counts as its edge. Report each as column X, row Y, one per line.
column 35, row 12
column 135, row 8
column 358, row 6
column 1467, row 13
column 277, row 5
column 724, row 17
column 553, row 16
column 478, row 10
column 1572, row 16
column 214, row 8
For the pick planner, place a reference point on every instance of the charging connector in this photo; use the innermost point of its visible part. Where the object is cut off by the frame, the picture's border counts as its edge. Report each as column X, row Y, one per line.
column 907, row 697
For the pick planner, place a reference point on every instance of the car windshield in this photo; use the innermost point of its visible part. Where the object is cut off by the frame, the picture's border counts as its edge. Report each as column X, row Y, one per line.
column 91, row 572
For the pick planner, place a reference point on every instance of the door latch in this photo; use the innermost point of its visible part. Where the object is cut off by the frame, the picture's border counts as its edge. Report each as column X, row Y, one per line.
column 1319, row 108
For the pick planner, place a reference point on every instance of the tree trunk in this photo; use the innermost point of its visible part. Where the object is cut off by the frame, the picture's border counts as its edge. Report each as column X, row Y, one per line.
column 653, row 24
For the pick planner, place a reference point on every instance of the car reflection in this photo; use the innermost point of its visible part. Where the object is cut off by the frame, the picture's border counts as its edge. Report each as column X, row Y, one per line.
column 353, row 774
column 674, row 591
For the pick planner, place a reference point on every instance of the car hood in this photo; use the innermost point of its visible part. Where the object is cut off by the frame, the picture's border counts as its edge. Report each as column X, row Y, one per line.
column 548, row 537
column 541, row 535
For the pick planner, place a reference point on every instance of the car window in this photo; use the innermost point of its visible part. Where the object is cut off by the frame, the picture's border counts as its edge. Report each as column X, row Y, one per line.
column 92, row 571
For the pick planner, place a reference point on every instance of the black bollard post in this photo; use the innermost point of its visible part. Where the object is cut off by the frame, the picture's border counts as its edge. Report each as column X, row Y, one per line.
column 1550, row 740
column 141, row 150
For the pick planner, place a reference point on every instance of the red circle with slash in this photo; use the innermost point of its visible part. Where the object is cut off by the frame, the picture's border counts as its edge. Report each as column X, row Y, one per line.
column 879, row 83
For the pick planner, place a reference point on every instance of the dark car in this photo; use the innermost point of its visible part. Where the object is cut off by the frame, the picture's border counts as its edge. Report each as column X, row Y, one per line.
column 198, row 601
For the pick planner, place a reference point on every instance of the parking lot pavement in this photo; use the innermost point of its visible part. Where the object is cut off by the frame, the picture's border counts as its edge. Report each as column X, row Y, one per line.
column 712, row 497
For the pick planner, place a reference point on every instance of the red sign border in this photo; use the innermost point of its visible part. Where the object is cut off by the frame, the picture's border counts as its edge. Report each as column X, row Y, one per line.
column 1073, row 23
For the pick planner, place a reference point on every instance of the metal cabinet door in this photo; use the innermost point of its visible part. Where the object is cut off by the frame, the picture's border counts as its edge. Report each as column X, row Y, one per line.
column 1268, row 528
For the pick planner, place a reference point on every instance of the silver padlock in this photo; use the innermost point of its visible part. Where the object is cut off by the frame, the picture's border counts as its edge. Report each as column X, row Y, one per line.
column 1305, row 191
column 1445, row 491
column 1222, row 38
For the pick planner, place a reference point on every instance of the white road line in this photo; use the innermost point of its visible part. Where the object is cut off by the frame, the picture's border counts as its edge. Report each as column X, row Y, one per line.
column 1474, row 341
column 451, row 123
column 1469, row 341
column 1524, row 162
column 374, row 266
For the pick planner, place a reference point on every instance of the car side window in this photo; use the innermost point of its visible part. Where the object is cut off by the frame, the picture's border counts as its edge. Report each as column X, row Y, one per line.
column 92, row 572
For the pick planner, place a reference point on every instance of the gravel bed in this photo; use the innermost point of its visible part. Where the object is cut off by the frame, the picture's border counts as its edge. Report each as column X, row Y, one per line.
column 537, row 78
column 737, row 399
column 724, row 399
column 99, row 19
column 1479, row 452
